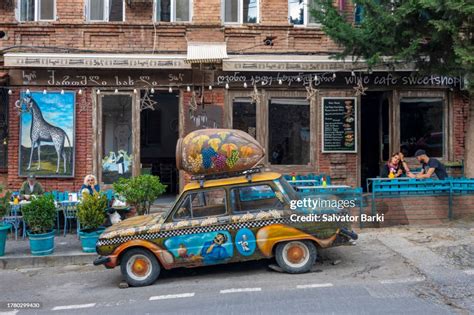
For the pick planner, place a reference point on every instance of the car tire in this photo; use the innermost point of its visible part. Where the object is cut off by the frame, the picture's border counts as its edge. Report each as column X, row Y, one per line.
column 139, row 267
column 296, row 256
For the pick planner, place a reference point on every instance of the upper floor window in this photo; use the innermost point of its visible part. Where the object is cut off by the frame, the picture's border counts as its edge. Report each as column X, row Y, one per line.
column 37, row 10
column 173, row 10
column 106, row 10
column 299, row 12
column 240, row 11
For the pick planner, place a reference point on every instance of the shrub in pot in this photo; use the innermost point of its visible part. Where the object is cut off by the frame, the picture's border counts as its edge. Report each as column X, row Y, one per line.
column 140, row 192
column 91, row 216
column 39, row 215
column 4, row 227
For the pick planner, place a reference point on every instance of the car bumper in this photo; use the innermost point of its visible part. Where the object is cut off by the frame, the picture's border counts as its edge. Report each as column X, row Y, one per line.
column 349, row 234
column 107, row 261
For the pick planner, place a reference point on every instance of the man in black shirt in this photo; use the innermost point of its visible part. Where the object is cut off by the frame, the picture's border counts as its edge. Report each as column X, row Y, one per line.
column 430, row 166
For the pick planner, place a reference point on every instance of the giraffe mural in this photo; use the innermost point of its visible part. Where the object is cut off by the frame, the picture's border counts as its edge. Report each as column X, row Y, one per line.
column 41, row 133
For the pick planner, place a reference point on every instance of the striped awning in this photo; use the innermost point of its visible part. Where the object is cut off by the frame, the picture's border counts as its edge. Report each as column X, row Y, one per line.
column 206, row 52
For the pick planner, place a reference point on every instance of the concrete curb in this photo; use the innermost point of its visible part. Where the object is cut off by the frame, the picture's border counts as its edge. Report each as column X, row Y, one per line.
column 63, row 259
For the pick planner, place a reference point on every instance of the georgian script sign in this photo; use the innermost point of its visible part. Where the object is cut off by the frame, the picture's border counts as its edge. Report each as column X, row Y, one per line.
column 339, row 128
column 117, row 61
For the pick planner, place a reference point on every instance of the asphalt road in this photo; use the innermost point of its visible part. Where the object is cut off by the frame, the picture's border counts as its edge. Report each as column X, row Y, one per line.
column 373, row 277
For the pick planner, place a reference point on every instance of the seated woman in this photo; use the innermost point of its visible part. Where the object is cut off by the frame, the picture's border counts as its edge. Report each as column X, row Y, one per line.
column 392, row 168
column 90, row 185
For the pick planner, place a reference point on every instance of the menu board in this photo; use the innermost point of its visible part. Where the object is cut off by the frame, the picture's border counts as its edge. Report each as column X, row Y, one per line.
column 339, row 128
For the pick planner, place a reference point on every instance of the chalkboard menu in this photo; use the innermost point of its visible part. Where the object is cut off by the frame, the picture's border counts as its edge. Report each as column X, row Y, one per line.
column 339, row 124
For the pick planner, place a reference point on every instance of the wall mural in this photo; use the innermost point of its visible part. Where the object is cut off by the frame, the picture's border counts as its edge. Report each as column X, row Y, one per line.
column 47, row 126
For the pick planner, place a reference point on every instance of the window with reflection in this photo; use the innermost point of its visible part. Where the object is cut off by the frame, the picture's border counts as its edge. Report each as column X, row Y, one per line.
column 173, row 10
column 117, row 145
column 240, row 11
column 105, row 10
column 37, row 10
column 244, row 116
column 421, row 126
column 289, row 131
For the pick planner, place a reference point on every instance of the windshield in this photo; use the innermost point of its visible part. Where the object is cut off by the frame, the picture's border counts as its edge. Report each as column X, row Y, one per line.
column 292, row 194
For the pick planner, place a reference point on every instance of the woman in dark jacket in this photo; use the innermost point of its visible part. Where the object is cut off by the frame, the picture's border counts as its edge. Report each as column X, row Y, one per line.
column 90, row 185
column 392, row 167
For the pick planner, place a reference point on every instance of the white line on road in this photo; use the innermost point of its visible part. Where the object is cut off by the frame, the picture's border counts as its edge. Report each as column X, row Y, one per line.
column 314, row 285
column 237, row 290
column 72, row 307
column 469, row 272
column 171, row 296
column 406, row 280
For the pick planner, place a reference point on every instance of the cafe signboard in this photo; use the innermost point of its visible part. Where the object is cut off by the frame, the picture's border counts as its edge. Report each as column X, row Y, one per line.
column 339, row 128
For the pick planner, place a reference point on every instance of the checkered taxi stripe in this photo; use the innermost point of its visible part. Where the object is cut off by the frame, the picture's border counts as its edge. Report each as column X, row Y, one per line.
column 194, row 230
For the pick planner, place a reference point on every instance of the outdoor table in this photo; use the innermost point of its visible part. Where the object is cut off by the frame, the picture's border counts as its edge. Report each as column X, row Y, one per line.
column 299, row 188
column 67, row 207
column 303, row 181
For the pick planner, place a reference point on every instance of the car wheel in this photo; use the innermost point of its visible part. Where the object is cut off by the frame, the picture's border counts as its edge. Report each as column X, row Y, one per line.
column 296, row 256
column 139, row 267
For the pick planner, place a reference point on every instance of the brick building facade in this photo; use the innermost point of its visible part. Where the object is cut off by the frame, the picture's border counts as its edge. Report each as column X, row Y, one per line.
column 283, row 65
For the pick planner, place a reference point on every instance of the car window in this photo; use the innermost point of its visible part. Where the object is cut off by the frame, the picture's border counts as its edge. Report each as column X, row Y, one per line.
column 255, row 198
column 202, row 204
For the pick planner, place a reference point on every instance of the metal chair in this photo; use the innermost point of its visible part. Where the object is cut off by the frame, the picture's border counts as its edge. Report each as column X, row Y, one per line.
column 16, row 220
column 70, row 214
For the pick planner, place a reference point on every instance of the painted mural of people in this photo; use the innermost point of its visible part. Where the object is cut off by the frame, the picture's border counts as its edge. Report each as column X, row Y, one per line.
column 213, row 251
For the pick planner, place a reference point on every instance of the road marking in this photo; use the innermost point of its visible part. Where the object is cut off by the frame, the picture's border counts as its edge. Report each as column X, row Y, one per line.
column 469, row 272
column 314, row 285
column 237, row 290
column 72, row 307
column 171, row 296
column 406, row 280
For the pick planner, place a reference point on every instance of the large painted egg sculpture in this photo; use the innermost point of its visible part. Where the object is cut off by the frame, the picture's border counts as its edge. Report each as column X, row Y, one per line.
column 211, row 151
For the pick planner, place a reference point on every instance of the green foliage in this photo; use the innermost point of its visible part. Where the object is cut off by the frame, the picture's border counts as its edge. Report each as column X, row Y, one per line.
column 436, row 35
column 91, row 211
column 5, row 203
column 40, row 214
column 140, row 191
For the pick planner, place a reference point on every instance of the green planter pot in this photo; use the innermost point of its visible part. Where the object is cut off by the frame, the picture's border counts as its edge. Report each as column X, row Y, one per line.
column 88, row 240
column 4, row 227
column 42, row 244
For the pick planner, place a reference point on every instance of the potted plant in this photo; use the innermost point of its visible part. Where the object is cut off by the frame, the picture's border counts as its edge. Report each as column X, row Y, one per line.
column 140, row 192
column 91, row 216
column 4, row 227
column 39, row 215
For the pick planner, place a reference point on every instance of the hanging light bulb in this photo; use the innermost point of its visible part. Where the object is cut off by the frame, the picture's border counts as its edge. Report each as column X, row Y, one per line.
column 152, row 91
column 98, row 92
column 134, row 91
column 353, row 74
column 44, row 92
column 245, row 84
column 62, row 92
column 210, row 87
column 80, row 92
column 27, row 91
column 170, row 90
column 10, row 92
column 227, row 85
column 334, row 75
column 280, row 82
column 316, row 78
column 116, row 91
column 188, row 89
column 298, row 79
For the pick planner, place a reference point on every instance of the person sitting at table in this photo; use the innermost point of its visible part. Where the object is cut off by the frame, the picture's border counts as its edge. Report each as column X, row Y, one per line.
column 31, row 187
column 392, row 169
column 90, row 185
column 404, row 166
column 430, row 166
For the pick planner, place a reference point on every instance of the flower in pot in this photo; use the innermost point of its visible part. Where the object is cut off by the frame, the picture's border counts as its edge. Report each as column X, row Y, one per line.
column 39, row 215
column 91, row 216
column 140, row 192
column 4, row 227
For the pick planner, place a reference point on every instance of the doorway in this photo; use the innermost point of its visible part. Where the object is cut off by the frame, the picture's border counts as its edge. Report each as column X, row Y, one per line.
column 159, row 133
column 375, row 144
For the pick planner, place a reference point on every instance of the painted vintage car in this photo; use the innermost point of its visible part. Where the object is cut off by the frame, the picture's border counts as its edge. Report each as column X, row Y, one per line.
column 219, row 221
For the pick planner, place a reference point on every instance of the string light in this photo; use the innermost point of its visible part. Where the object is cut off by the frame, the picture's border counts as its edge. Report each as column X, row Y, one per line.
column 170, row 90
column 188, row 89
column 245, row 84
column 227, row 86
column 298, row 79
column 353, row 73
column 334, row 75
column 98, row 91
column 210, row 87
column 80, row 92
column 116, row 91
column 316, row 78
column 10, row 92
column 27, row 91
column 44, row 92
column 152, row 91
column 134, row 91
column 62, row 92
column 280, row 82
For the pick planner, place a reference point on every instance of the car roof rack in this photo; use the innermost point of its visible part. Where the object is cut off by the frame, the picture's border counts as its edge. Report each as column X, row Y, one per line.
column 247, row 173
